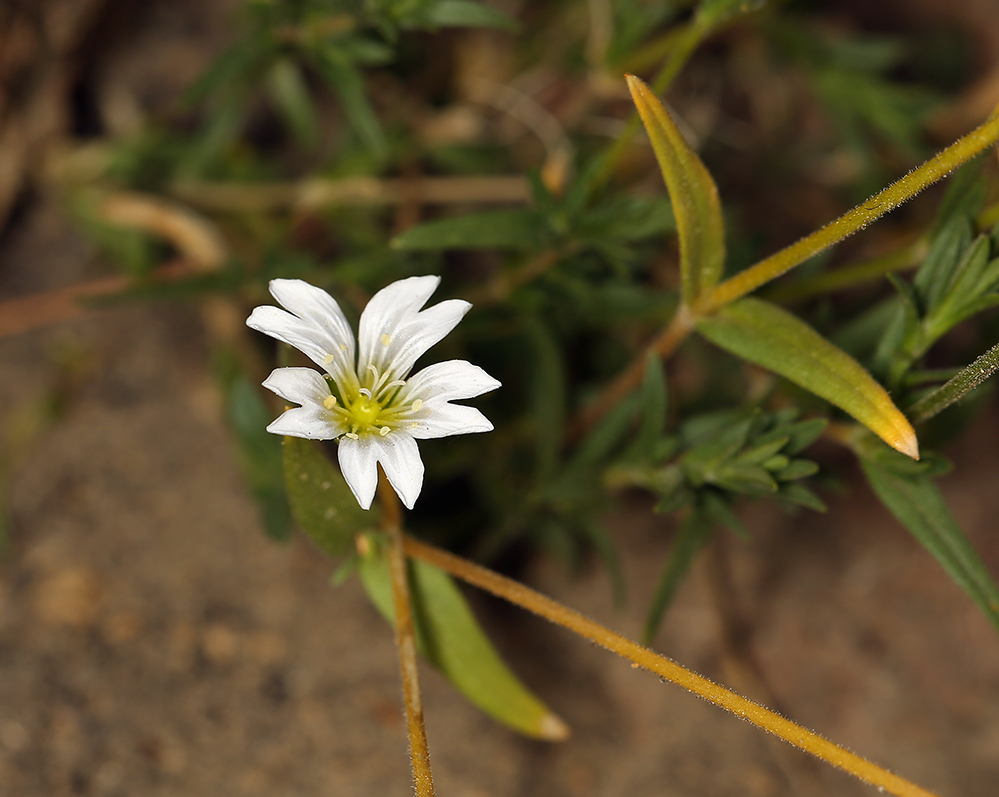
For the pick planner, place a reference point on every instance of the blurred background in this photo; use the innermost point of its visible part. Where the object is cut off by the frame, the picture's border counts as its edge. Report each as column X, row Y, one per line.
column 161, row 630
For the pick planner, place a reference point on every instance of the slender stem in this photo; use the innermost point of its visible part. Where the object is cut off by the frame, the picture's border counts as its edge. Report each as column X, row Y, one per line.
column 849, row 276
column 965, row 381
column 663, row 345
column 964, row 149
column 405, row 640
column 769, row 721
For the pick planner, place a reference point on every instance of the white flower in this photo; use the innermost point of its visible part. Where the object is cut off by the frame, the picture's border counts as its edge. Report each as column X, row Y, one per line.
column 370, row 404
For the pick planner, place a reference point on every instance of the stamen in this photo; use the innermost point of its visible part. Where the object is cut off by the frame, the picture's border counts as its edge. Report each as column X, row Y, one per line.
column 373, row 370
column 352, row 435
column 365, row 391
column 384, row 431
column 385, row 339
column 417, row 405
column 396, row 383
column 329, row 402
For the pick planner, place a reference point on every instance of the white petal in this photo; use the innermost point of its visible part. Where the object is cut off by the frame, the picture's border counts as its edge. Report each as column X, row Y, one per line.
column 316, row 307
column 359, row 465
column 400, row 458
column 311, row 422
column 301, row 385
column 306, row 387
column 450, row 380
column 394, row 332
column 441, row 419
column 318, row 328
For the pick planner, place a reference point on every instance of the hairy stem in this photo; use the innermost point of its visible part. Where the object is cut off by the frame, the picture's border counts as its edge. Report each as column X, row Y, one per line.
column 769, row 721
column 405, row 640
column 938, row 167
column 965, row 381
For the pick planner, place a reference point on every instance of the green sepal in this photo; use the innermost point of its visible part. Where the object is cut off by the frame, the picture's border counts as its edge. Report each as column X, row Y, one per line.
column 767, row 335
column 320, row 499
column 449, row 637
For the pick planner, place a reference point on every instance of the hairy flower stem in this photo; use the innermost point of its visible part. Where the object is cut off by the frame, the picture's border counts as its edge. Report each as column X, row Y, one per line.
column 967, row 380
column 764, row 718
column 405, row 640
column 936, row 168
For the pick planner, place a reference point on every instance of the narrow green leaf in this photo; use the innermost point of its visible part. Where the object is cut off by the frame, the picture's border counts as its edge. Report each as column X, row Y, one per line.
column 773, row 338
column 259, row 453
column 450, row 638
column 466, row 14
column 321, row 501
column 495, row 229
column 692, row 536
column 696, row 205
column 917, row 504
column 655, row 402
column 345, row 79
column 293, row 101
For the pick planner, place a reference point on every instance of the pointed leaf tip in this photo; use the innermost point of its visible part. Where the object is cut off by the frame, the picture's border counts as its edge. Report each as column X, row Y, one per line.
column 692, row 192
column 767, row 335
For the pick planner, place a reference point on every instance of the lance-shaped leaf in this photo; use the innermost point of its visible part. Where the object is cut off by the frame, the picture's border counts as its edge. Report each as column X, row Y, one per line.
column 917, row 504
column 449, row 637
column 765, row 334
column 699, row 222
column 320, row 499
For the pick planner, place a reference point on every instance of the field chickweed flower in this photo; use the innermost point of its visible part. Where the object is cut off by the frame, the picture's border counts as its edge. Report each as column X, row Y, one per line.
column 370, row 405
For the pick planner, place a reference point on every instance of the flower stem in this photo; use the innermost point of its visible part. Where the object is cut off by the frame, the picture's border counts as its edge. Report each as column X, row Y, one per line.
column 405, row 640
column 965, row 381
column 936, row 168
column 665, row 668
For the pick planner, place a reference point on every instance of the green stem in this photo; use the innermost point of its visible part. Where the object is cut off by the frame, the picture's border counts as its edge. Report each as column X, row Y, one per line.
column 849, row 276
column 764, row 718
column 964, row 382
column 938, row 167
column 405, row 640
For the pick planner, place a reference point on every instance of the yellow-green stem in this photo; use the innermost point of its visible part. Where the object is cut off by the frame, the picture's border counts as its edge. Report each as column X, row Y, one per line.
column 849, row 276
column 938, row 167
column 616, row 643
column 405, row 640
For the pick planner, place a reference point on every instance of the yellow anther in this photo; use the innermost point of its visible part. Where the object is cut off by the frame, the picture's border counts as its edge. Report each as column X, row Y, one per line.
column 351, row 435
column 417, row 405
column 328, row 359
column 385, row 339
column 384, row 431
column 329, row 402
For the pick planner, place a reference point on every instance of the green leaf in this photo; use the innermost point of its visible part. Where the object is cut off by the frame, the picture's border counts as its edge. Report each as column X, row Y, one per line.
column 344, row 78
column 293, row 101
column 321, row 502
column 466, row 14
column 696, row 205
column 495, row 229
column 688, row 542
column 259, row 453
column 773, row 338
column 655, row 404
column 450, row 638
column 917, row 504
